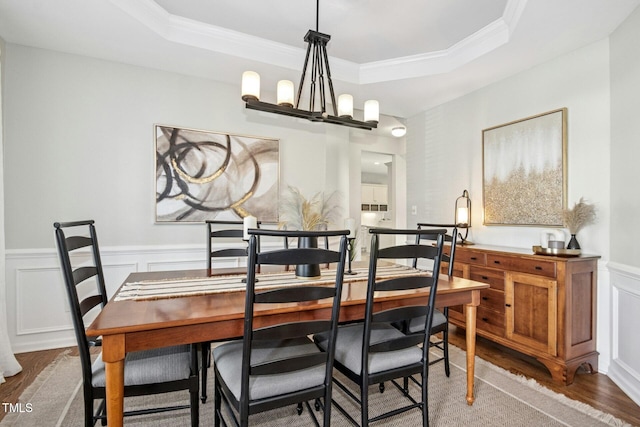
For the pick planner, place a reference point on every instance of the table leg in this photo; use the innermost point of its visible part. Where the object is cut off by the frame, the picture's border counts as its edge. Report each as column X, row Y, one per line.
column 113, row 356
column 471, row 350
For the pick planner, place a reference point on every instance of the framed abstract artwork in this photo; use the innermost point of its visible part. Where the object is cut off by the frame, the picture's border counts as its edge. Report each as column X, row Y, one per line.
column 524, row 170
column 203, row 175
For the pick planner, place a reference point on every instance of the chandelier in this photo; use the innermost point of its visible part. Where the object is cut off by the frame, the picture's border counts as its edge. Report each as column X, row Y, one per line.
column 320, row 80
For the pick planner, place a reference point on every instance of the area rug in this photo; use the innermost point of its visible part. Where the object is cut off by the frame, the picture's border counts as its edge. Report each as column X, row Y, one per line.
column 502, row 399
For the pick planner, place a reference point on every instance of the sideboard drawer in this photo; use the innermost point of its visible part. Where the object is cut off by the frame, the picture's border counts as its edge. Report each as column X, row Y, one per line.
column 532, row 266
column 493, row 277
column 470, row 257
column 490, row 321
column 493, row 300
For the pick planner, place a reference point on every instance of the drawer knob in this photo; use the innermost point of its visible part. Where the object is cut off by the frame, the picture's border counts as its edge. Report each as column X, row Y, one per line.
column 538, row 267
column 484, row 319
column 496, row 261
column 474, row 258
column 485, row 278
column 508, row 305
column 485, row 298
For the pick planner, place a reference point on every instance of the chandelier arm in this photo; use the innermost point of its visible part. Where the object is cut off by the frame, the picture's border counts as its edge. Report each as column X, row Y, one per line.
column 329, row 80
column 323, row 100
column 314, row 77
column 304, row 72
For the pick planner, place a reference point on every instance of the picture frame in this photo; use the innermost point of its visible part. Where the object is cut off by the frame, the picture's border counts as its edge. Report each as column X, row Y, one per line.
column 524, row 167
column 204, row 175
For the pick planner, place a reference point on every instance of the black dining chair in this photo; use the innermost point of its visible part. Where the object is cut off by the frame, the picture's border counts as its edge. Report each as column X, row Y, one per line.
column 225, row 239
column 374, row 351
column 279, row 365
column 146, row 372
column 440, row 322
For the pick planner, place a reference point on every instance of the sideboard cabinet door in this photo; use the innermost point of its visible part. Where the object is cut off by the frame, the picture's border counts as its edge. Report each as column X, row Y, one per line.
column 531, row 311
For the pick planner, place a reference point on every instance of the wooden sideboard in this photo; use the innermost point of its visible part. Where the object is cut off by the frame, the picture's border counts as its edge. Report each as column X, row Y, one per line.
column 542, row 306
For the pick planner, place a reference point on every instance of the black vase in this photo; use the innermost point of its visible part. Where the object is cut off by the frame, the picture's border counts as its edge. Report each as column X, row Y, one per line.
column 308, row 271
column 573, row 243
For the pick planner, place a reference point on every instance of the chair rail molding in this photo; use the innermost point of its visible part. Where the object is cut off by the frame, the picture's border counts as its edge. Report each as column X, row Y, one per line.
column 624, row 369
column 38, row 316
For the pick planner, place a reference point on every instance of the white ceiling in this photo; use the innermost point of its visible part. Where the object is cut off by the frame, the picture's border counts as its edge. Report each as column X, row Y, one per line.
column 375, row 163
column 411, row 55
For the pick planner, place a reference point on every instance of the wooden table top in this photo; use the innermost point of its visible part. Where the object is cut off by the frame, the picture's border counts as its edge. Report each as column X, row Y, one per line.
column 120, row 317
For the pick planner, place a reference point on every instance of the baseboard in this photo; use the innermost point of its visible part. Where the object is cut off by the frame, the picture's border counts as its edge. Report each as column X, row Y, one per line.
column 626, row 379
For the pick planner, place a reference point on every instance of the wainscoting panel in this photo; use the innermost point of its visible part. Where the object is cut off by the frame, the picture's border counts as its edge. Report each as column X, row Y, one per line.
column 38, row 309
column 38, row 316
column 624, row 369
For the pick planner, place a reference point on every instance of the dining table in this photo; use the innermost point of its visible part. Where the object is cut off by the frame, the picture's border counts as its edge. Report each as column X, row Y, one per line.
column 160, row 308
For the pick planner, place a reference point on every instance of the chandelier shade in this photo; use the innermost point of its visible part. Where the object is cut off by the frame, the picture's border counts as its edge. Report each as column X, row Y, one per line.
column 316, row 62
column 285, row 93
column 250, row 86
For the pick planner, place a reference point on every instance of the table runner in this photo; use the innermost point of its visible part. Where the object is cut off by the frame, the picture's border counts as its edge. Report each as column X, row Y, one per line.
column 191, row 286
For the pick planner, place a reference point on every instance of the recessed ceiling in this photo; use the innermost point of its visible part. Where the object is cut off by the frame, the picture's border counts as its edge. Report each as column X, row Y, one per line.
column 411, row 55
column 359, row 32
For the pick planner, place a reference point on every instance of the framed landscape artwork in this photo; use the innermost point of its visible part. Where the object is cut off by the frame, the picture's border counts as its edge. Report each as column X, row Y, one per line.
column 524, row 171
column 204, row 175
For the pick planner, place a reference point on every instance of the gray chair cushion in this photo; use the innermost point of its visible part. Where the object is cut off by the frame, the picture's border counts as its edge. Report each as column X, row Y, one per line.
column 349, row 348
column 228, row 359
column 417, row 323
column 149, row 366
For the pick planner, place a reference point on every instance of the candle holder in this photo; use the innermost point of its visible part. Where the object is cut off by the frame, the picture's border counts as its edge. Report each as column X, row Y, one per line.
column 350, row 244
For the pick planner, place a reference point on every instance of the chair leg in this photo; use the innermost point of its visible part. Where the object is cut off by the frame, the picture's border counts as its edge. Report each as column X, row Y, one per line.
column 217, row 405
column 364, row 405
column 405, row 386
column 206, row 362
column 425, row 398
column 88, row 411
column 195, row 404
column 445, row 344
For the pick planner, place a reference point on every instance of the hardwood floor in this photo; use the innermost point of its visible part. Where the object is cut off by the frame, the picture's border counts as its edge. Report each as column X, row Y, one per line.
column 32, row 364
column 596, row 390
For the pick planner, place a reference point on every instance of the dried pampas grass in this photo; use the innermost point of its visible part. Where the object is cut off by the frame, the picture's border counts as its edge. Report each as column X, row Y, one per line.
column 299, row 213
column 579, row 217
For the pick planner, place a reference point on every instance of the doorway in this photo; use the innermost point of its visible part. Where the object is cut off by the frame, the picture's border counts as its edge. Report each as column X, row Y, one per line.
column 377, row 195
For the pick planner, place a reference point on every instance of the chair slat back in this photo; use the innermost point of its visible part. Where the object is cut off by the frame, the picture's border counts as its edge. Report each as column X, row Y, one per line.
column 451, row 237
column 228, row 232
column 296, row 329
column 77, row 275
column 401, row 253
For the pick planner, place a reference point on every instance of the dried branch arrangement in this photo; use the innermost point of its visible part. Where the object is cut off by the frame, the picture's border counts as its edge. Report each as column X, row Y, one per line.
column 299, row 213
column 579, row 217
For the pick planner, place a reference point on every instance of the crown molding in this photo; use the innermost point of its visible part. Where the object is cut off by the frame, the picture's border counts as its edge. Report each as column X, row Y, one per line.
column 217, row 39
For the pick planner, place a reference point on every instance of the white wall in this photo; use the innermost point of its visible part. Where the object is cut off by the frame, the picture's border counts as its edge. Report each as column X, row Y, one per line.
column 445, row 154
column 625, row 149
column 79, row 144
column 451, row 146
column 625, row 205
column 602, row 98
